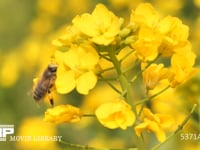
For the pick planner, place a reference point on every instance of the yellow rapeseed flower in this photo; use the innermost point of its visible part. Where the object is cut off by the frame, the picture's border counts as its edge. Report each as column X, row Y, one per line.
column 63, row 114
column 175, row 35
column 69, row 35
column 155, row 123
column 101, row 26
column 153, row 74
column 116, row 114
column 147, row 44
column 149, row 39
column 76, row 69
column 145, row 15
column 157, row 35
column 182, row 65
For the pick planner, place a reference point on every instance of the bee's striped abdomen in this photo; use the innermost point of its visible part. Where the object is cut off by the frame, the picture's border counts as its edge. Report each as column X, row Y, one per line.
column 39, row 92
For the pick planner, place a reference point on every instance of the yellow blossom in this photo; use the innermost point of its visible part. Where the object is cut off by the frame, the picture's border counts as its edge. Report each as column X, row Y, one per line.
column 153, row 74
column 76, row 69
column 156, row 35
column 145, row 15
column 68, row 36
column 116, row 114
column 147, row 44
column 149, row 39
column 175, row 35
column 169, row 102
column 155, row 123
column 101, row 26
column 182, row 65
column 63, row 114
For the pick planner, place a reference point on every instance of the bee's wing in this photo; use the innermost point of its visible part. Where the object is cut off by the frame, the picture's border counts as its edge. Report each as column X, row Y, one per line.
column 45, row 84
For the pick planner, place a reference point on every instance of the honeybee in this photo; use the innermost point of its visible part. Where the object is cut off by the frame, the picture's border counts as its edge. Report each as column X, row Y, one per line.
column 45, row 84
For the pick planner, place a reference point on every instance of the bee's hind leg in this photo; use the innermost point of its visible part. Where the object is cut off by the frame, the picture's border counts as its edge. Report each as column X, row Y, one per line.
column 50, row 95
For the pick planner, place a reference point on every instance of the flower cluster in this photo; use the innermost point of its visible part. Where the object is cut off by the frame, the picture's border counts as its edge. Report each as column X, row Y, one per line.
column 78, row 62
column 167, row 37
column 101, row 35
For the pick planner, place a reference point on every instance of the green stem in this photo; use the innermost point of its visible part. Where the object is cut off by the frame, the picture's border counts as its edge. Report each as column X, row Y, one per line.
column 110, row 84
column 88, row 115
column 180, row 127
column 141, row 71
column 105, row 70
column 151, row 97
column 131, row 67
column 122, row 78
column 86, row 147
column 143, row 105
column 126, row 55
column 126, row 86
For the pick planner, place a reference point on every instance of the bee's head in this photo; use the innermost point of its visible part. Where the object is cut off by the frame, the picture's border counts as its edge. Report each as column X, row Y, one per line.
column 52, row 67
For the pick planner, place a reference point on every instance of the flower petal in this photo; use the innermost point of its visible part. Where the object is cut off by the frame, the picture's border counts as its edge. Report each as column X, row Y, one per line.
column 140, row 128
column 166, row 121
column 86, row 24
column 65, row 81
column 86, row 82
column 160, row 134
